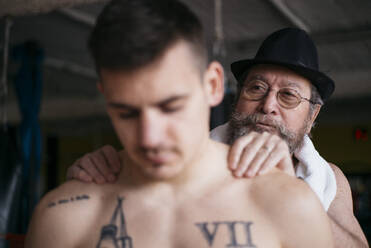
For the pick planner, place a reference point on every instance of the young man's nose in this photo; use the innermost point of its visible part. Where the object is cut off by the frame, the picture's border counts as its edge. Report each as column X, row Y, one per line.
column 151, row 130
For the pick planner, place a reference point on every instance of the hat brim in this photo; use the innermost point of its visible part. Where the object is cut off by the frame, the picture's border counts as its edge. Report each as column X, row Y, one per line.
column 323, row 83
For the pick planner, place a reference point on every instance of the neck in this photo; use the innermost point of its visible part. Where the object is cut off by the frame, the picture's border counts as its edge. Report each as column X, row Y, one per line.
column 207, row 164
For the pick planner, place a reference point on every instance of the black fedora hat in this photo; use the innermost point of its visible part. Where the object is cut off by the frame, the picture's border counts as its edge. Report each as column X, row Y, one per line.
column 293, row 49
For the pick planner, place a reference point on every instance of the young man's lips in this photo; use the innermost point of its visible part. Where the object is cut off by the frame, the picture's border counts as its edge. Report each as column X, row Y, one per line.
column 158, row 158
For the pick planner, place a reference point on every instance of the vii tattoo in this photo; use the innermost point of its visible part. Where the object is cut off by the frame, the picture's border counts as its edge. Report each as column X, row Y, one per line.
column 234, row 241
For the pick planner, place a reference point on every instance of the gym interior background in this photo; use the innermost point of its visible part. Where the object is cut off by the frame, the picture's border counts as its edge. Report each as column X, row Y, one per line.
column 48, row 90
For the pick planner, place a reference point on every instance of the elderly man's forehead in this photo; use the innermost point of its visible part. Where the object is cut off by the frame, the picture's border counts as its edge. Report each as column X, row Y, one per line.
column 271, row 68
column 264, row 71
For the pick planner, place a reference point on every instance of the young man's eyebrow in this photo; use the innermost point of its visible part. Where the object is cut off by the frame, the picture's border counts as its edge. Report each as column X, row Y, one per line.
column 171, row 99
column 121, row 105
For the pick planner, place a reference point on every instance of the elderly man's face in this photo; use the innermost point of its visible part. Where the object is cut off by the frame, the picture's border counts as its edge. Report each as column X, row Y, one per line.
column 270, row 113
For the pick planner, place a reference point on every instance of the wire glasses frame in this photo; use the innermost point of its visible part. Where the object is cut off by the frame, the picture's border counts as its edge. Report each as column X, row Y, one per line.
column 287, row 98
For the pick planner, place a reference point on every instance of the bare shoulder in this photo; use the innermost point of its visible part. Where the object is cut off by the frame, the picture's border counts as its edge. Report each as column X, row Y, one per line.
column 343, row 192
column 221, row 148
column 339, row 175
column 55, row 221
column 72, row 194
column 292, row 207
column 343, row 199
column 281, row 188
column 341, row 212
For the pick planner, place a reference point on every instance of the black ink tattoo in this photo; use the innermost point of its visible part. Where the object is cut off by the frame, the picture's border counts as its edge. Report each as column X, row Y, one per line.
column 234, row 242
column 209, row 235
column 82, row 197
column 52, row 204
column 108, row 236
column 64, row 201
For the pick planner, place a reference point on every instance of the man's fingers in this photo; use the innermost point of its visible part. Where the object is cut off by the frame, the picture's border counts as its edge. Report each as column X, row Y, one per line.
column 73, row 170
column 89, row 167
column 244, row 162
column 279, row 158
column 112, row 158
column 257, row 153
column 270, row 163
column 100, row 163
column 236, row 150
column 256, row 164
column 249, row 154
column 84, row 176
column 266, row 145
column 99, row 166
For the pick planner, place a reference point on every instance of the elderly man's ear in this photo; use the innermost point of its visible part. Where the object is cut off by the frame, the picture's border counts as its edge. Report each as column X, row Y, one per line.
column 214, row 83
column 315, row 113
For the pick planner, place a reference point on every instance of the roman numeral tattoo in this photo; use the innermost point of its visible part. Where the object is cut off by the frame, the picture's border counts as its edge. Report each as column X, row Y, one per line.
column 68, row 200
column 109, row 236
column 209, row 231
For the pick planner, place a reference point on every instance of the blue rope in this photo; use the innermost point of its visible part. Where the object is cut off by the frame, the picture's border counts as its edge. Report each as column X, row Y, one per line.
column 28, row 85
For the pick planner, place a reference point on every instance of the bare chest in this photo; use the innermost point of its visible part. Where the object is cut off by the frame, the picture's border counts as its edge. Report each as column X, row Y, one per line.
column 205, row 222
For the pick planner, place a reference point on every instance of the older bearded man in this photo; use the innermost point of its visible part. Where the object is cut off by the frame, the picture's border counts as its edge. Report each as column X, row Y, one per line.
column 280, row 93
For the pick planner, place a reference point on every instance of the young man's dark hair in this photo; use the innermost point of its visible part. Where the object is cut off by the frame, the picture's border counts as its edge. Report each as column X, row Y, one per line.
column 130, row 34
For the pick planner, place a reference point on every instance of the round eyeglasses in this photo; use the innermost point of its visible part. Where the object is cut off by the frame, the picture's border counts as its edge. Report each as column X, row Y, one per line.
column 287, row 98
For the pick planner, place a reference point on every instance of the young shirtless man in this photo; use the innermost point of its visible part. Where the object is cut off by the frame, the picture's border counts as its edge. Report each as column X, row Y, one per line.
column 159, row 88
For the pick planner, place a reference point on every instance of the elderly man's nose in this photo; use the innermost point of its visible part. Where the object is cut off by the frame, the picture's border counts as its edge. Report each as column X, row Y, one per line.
column 269, row 103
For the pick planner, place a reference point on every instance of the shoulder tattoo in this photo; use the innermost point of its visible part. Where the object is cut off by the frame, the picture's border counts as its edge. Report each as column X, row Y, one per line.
column 68, row 200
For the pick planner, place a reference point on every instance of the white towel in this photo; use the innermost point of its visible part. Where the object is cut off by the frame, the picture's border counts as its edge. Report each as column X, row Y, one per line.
column 315, row 171
column 220, row 133
column 312, row 168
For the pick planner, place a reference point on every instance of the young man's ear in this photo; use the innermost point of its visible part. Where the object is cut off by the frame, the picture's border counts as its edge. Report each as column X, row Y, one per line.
column 100, row 87
column 313, row 117
column 214, row 83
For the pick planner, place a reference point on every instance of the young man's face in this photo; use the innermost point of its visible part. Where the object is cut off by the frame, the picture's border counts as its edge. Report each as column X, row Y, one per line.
column 161, row 111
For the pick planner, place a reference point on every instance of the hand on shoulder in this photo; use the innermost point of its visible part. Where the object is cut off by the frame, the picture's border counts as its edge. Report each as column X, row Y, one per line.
column 257, row 153
column 100, row 166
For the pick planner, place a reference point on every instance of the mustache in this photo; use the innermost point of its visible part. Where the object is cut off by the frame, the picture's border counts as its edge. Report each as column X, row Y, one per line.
column 261, row 119
column 241, row 120
column 241, row 124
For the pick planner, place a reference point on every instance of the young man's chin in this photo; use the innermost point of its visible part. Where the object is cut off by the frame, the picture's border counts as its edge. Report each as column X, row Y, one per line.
column 163, row 171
